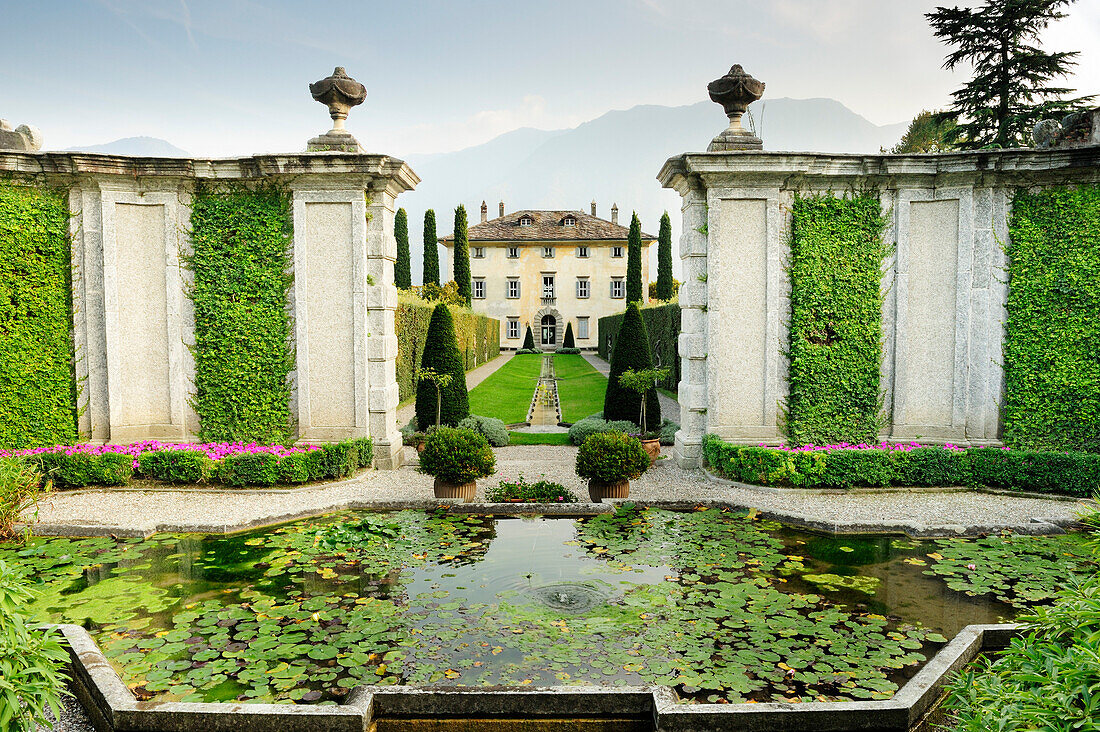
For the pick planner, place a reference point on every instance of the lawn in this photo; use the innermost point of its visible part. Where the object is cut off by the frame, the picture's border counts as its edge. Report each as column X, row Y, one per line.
column 507, row 393
column 580, row 387
column 538, row 438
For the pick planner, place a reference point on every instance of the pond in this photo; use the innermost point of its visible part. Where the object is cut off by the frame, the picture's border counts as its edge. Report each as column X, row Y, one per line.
column 720, row 606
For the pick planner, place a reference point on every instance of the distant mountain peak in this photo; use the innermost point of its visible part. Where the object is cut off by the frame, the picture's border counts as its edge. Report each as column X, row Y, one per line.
column 143, row 146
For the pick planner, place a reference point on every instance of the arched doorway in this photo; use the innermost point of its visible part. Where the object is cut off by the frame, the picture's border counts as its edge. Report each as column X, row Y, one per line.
column 549, row 330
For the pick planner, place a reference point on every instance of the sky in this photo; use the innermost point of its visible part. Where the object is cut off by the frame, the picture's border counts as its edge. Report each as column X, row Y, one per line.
column 229, row 77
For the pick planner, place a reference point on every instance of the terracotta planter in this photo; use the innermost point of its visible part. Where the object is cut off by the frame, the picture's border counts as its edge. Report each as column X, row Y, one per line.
column 465, row 491
column 420, row 446
column 598, row 490
column 653, row 449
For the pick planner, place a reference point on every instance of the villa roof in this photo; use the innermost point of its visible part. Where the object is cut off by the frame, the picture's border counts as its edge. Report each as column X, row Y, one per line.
column 548, row 226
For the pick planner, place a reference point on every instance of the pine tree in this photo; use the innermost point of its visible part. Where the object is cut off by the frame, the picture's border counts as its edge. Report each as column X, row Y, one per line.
column 664, row 259
column 567, row 341
column 1011, row 88
column 928, row 132
column 634, row 261
column 529, row 340
column 441, row 354
column 431, row 251
column 462, row 255
column 402, row 268
column 631, row 351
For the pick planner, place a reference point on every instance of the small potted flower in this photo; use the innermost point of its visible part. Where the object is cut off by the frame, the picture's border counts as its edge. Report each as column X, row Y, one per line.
column 641, row 382
column 610, row 460
column 456, row 458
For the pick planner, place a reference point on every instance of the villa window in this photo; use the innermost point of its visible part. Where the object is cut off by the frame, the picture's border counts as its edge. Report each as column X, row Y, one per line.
column 583, row 288
column 617, row 291
column 513, row 288
column 478, row 253
column 479, row 288
column 570, row 221
column 513, row 252
column 582, row 252
column 525, row 221
column 617, row 251
column 582, row 326
column 513, row 327
column 548, row 252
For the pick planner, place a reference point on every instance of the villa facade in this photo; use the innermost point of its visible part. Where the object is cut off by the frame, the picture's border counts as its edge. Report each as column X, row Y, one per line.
column 546, row 269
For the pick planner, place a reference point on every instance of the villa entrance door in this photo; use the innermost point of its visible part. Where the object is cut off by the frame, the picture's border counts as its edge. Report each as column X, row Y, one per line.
column 549, row 330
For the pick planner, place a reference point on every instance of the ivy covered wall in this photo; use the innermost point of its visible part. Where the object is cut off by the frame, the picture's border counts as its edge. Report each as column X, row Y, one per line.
column 1052, row 338
column 662, row 323
column 243, row 351
column 37, row 383
column 835, row 270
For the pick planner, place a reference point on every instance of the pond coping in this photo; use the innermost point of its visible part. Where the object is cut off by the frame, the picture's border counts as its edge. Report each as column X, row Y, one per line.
column 112, row 707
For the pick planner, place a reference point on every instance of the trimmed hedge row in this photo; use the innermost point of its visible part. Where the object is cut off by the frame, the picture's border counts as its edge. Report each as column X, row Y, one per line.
column 478, row 338
column 662, row 323
column 1072, row 473
column 327, row 462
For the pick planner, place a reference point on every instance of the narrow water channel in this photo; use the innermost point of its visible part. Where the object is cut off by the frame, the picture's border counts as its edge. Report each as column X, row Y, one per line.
column 544, row 402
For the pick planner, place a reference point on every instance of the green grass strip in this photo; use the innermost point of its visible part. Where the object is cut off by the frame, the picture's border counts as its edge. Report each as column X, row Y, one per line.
column 538, row 438
column 506, row 393
column 581, row 387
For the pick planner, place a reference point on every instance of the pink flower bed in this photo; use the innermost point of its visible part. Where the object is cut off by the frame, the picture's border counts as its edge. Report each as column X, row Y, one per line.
column 213, row 450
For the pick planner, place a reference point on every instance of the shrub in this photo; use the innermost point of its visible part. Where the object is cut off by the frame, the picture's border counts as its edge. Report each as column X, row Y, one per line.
column 338, row 460
column 402, row 268
column 526, row 351
column 20, row 487
column 567, row 341
column 847, row 468
column 542, row 491
column 461, row 256
column 764, row 466
column 32, row 662
column 364, row 447
column 297, row 467
column 80, row 469
column 431, row 250
column 662, row 325
column 663, row 285
column 457, row 456
column 491, row 428
column 581, row 431
column 722, row 456
column 929, row 466
column 1072, row 473
column 569, row 351
column 610, row 457
column 631, row 352
column 442, row 356
column 668, row 432
column 176, row 466
column 529, row 341
column 249, row 468
column 634, row 261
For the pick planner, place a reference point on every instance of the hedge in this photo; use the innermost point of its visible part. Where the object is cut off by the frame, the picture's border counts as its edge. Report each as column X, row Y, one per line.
column 662, row 323
column 478, row 338
column 1067, row 473
column 37, row 382
column 1052, row 332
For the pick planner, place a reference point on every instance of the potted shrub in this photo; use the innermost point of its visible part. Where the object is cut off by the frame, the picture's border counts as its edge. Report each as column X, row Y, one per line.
column 456, row 458
column 641, row 381
column 610, row 460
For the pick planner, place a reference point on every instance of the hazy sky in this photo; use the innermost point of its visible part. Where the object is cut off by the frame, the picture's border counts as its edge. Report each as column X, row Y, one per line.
column 226, row 77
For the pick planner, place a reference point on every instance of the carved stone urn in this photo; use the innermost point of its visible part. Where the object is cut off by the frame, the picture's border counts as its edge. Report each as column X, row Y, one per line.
column 735, row 92
column 339, row 93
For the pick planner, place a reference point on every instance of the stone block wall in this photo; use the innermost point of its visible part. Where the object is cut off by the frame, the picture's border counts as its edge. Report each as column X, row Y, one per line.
column 133, row 322
column 946, row 284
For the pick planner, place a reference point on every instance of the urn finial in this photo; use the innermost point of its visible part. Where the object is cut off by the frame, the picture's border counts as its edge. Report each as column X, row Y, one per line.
column 735, row 92
column 339, row 92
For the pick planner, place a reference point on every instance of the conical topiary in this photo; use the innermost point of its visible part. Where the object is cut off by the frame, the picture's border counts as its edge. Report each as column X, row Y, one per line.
column 529, row 340
column 631, row 352
column 441, row 354
column 462, row 256
column 664, row 259
column 402, row 272
column 567, row 341
column 634, row 261
column 431, row 251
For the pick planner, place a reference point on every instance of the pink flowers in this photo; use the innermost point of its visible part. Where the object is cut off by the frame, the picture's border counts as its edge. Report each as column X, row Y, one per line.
column 213, row 450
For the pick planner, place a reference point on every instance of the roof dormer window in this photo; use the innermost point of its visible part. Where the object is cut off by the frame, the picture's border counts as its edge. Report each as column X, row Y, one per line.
column 570, row 221
column 524, row 220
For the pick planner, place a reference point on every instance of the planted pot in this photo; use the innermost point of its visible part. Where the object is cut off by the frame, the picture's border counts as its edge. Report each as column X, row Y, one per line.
column 420, row 446
column 599, row 490
column 653, row 449
column 464, row 491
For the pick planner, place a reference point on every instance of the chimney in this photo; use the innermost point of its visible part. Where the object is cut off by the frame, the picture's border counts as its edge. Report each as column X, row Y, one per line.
column 484, row 212
column 502, row 208
column 614, row 213
column 593, row 206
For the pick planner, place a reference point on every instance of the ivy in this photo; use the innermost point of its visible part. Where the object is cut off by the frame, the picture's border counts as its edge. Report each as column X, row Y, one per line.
column 1052, row 341
column 37, row 382
column 243, row 352
column 836, row 319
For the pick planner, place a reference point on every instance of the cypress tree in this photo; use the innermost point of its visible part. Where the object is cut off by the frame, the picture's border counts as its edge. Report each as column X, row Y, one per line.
column 402, row 268
column 529, row 340
column 431, row 252
column 664, row 259
column 462, row 255
column 567, row 341
column 634, row 261
column 441, row 354
column 631, row 352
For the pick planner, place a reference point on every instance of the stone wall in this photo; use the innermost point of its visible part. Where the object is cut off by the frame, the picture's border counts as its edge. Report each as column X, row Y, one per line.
column 133, row 323
column 946, row 284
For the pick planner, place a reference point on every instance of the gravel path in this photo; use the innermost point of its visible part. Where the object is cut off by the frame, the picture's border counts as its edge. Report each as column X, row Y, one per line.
column 670, row 408
column 140, row 512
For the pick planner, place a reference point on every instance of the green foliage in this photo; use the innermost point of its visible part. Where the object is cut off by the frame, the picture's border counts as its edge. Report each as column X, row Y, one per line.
column 1052, row 332
column 568, row 351
column 491, row 428
column 37, row 383
column 462, row 255
column 836, row 319
column 641, row 381
column 610, row 457
column 20, row 488
column 439, row 382
column 442, row 356
column 298, row 467
column 664, row 260
column 930, row 466
column 928, row 132
column 634, row 261
column 675, row 290
column 1068, row 473
column 542, row 491
column 32, row 662
column 631, row 352
column 249, row 468
column 243, row 352
column 662, row 323
column 567, row 342
column 80, row 469
column 528, row 341
column 431, row 250
column 402, row 268
column 581, row 430
column 446, row 293
column 457, row 456
column 176, row 466
column 1012, row 87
